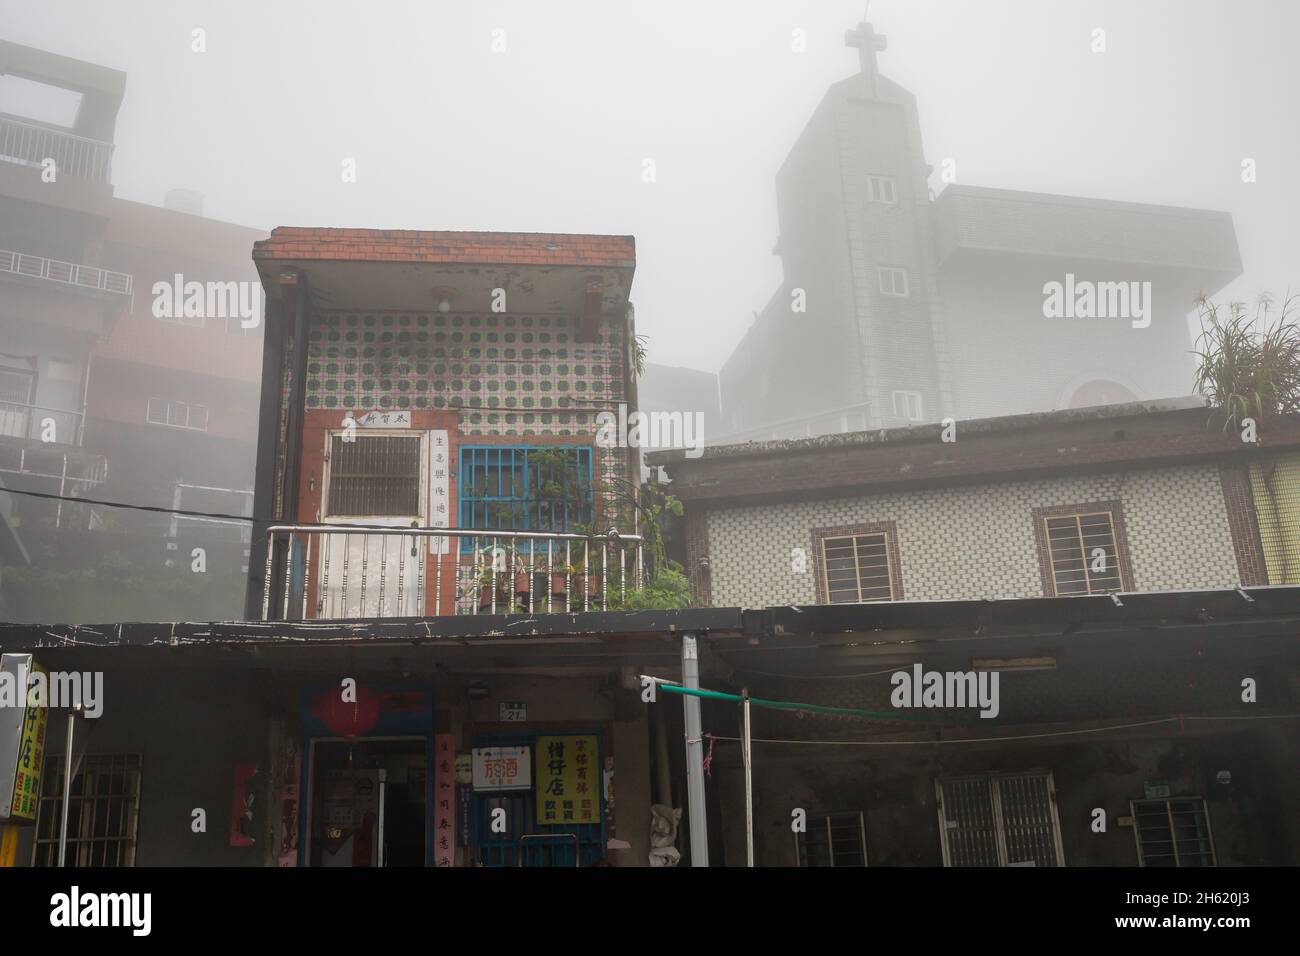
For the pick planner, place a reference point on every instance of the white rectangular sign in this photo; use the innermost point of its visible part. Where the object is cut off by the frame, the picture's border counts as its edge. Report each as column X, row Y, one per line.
column 502, row 768
column 439, row 488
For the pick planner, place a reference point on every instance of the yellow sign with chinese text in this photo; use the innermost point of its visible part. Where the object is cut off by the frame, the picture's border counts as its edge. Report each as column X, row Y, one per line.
column 568, row 780
column 31, row 758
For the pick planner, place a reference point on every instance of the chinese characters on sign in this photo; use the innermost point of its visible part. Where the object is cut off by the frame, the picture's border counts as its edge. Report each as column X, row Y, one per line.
column 20, row 804
column 444, row 807
column 439, row 487
column 502, row 768
column 396, row 419
column 568, row 780
column 464, row 813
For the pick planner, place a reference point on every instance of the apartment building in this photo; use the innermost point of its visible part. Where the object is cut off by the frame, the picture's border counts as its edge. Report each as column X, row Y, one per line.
column 108, row 391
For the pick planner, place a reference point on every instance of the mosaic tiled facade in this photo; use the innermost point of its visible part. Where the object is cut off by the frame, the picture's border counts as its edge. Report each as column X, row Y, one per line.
column 978, row 541
column 506, row 375
column 510, row 373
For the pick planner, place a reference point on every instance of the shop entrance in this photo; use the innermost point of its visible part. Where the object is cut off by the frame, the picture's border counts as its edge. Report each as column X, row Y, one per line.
column 525, row 839
column 367, row 801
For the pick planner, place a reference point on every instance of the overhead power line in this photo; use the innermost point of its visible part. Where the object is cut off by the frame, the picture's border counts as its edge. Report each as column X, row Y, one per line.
column 156, row 509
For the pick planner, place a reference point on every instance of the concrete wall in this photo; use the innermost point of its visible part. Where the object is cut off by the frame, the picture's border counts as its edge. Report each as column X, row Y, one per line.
column 191, row 730
column 978, row 541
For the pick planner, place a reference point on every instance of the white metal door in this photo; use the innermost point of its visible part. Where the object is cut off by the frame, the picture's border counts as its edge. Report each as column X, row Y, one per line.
column 368, row 482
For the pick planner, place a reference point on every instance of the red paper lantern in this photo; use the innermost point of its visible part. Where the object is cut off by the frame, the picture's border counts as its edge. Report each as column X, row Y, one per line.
column 346, row 718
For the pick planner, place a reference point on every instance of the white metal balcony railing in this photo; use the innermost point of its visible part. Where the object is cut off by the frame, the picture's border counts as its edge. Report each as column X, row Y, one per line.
column 68, row 273
column 364, row 571
column 25, row 420
column 73, row 155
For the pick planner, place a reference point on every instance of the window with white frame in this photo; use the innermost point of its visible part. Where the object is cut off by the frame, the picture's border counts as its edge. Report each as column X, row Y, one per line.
column 103, row 812
column 883, row 189
column 833, row 839
column 163, row 411
column 1173, row 832
column 893, row 281
column 999, row 819
column 907, row 405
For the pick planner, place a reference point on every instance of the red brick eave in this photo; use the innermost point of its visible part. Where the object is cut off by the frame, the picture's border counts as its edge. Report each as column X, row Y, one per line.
column 293, row 243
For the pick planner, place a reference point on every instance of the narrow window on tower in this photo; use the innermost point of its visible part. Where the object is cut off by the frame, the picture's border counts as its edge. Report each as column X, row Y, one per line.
column 893, row 281
column 883, row 189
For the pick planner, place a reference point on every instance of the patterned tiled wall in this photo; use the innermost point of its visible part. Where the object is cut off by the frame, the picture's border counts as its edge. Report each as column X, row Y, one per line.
column 509, row 372
column 978, row 541
column 507, row 375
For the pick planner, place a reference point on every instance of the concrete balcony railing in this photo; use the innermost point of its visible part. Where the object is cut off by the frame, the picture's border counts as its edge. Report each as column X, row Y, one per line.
column 339, row 572
column 30, row 145
column 91, row 278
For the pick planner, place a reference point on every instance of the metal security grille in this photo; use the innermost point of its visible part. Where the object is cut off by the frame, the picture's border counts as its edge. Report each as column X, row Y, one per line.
column 836, row 839
column 857, row 568
column 525, row 488
column 103, row 812
column 999, row 820
column 1083, row 554
column 1173, row 832
column 374, row 475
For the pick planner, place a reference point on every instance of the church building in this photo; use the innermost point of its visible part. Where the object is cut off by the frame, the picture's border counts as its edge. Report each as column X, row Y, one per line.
column 900, row 306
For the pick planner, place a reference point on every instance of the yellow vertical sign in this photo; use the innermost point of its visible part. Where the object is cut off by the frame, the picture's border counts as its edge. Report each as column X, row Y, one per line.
column 31, row 754
column 568, row 780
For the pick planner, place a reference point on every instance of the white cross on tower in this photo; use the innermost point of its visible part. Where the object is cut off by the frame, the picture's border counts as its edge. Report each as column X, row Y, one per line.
column 869, row 43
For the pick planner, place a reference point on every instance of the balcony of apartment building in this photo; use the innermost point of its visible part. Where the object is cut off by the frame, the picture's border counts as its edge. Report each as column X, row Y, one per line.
column 349, row 572
column 94, row 282
column 533, row 534
column 56, row 133
column 31, row 447
column 42, row 428
column 51, row 315
column 27, row 143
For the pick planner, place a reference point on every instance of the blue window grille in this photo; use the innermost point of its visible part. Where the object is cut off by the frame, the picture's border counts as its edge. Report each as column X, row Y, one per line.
column 525, row 488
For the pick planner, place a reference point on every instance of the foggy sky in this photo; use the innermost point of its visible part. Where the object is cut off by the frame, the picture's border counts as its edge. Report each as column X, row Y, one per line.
column 550, row 135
